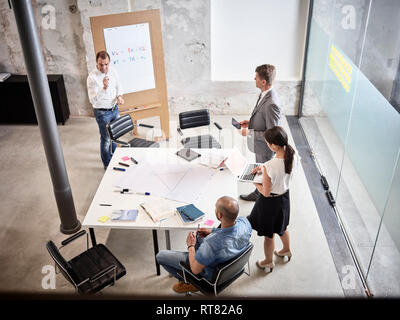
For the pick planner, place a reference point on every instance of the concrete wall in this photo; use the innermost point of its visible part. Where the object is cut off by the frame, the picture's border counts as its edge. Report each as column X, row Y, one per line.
column 186, row 38
column 63, row 49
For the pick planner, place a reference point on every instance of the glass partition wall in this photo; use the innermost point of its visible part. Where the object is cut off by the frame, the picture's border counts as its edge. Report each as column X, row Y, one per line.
column 350, row 116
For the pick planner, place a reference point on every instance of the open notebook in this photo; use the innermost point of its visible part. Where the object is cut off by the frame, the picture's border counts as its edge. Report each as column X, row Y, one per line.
column 158, row 209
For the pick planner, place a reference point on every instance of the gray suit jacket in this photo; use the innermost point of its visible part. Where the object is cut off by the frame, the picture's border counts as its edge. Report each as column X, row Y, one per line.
column 265, row 115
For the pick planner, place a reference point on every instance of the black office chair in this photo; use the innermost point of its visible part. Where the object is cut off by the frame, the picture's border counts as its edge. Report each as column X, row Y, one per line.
column 124, row 124
column 223, row 276
column 194, row 119
column 92, row 270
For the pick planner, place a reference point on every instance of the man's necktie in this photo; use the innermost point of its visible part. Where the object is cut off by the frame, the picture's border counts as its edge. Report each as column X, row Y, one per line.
column 258, row 100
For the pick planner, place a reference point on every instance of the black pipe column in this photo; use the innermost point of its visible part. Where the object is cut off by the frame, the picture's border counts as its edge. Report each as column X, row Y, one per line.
column 40, row 91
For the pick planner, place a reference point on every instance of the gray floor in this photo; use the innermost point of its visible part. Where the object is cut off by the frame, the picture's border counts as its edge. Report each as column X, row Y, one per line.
column 29, row 218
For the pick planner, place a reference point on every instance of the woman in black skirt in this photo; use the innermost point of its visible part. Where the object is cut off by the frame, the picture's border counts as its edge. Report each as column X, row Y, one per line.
column 271, row 212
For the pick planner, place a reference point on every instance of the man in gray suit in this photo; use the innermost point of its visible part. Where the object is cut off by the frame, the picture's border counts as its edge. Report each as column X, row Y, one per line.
column 266, row 114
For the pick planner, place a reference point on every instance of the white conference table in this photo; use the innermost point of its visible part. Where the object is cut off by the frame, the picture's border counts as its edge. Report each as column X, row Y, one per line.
column 223, row 183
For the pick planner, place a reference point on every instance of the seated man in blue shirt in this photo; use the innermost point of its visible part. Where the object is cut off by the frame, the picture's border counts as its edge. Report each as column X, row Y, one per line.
column 210, row 247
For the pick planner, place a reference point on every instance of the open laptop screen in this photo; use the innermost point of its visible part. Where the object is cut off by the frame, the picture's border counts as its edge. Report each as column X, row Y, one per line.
column 236, row 162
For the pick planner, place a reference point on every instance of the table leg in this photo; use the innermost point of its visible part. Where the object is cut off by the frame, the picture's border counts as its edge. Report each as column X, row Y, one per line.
column 92, row 236
column 167, row 240
column 155, row 243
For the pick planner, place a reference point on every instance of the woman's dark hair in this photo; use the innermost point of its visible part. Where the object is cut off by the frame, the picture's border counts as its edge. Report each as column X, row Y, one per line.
column 278, row 136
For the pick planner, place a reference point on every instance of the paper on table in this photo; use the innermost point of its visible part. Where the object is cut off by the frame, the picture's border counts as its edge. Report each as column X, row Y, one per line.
column 124, row 215
column 192, row 185
column 176, row 182
column 103, row 219
column 141, row 178
column 212, row 158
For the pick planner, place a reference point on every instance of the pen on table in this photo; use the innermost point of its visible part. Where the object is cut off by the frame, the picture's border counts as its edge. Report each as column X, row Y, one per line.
column 119, row 169
column 134, row 161
column 105, row 205
column 142, row 193
column 123, row 164
column 125, row 190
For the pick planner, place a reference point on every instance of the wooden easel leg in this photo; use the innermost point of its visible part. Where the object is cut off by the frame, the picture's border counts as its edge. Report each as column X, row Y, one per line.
column 164, row 120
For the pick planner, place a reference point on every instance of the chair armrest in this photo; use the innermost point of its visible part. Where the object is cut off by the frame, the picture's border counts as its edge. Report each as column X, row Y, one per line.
column 98, row 275
column 74, row 237
column 218, row 126
column 186, row 268
column 125, row 144
column 103, row 272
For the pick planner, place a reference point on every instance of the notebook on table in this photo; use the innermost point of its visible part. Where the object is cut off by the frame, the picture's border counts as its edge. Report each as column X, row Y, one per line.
column 124, row 215
column 158, row 210
column 189, row 213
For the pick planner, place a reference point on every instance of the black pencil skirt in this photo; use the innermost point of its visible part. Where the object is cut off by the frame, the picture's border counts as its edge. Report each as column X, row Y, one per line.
column 270, row 215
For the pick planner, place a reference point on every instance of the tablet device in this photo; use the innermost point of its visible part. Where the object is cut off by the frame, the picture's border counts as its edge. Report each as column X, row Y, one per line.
column 188, row 154
column 236, row 124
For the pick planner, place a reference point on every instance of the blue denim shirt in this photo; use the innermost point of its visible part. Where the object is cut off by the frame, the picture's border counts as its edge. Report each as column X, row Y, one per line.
column 222, row 245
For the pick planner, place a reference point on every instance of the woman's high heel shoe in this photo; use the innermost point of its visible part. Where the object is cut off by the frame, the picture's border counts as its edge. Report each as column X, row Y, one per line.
column 267, row 267
column 284, row 254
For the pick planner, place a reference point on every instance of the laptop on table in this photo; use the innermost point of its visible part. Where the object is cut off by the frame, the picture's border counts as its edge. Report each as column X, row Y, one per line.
column 239, row 166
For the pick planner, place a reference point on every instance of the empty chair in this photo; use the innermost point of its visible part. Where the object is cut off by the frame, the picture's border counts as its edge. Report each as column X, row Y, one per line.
column 224, row 275
column 194, row 119
column 92, row 270
column 124, row 124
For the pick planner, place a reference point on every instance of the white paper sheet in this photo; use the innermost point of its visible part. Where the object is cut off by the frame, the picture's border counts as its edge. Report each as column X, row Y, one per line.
column 182, row 183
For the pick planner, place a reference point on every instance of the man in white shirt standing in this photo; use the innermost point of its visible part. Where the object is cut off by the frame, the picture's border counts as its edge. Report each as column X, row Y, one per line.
column 266, row 114
column 105, row 93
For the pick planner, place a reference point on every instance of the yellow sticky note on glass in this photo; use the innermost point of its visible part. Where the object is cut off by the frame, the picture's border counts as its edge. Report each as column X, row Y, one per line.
column 103, row 219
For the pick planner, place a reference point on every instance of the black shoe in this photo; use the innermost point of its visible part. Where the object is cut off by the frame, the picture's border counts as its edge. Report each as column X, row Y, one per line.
column 250, row 197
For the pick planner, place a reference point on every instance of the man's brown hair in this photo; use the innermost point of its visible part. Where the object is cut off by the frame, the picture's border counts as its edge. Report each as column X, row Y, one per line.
column 266, row 72
column 103, row 55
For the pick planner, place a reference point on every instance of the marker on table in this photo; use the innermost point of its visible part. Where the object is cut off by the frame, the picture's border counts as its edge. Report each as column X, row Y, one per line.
column 123, row 164
column 134, row 161
column 143, row 193
column 125, row 190
column 119, row 169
